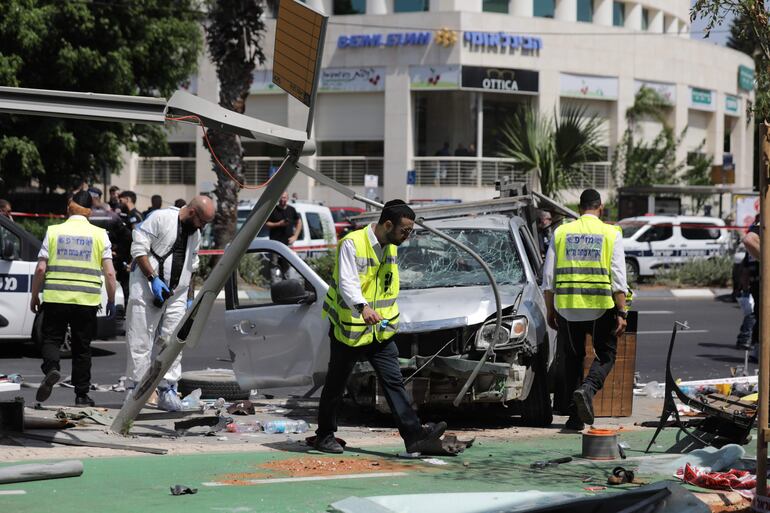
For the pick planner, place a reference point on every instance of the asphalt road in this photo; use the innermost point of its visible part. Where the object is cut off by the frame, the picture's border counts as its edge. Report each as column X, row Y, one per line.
column 706, row 351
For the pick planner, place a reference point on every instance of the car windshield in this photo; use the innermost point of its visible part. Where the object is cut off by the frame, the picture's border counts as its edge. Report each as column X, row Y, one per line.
column 342, row 215
column 630, row 228
column 243, row 214
column 427, row 261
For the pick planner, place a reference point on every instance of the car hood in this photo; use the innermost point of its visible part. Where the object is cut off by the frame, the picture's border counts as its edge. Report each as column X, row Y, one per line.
column 450, row 307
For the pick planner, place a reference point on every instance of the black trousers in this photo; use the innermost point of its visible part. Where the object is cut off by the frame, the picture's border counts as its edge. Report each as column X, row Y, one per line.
column 82, row 322
column 572, row 336
column 384, row 358
column 123, row 277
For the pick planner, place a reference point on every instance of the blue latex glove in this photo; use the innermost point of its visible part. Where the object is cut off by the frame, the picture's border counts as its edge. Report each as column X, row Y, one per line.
column 110, row 310
column 189, row 303
column 159, row 289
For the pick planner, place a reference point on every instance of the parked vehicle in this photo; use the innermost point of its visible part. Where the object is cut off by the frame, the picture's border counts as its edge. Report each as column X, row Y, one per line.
column 17, row 265
column 342, row 222
column 655, row 242
column 277, row 337
column 318, row 230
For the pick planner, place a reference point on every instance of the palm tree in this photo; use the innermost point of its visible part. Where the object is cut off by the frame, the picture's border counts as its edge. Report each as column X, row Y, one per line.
column 552, row 147
column 233, row 33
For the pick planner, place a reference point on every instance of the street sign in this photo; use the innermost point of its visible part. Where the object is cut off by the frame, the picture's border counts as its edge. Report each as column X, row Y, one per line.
column 371, row 181
column 299, row 36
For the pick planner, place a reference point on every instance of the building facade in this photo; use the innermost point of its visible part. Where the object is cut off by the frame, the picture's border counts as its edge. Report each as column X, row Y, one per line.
column 414, row 94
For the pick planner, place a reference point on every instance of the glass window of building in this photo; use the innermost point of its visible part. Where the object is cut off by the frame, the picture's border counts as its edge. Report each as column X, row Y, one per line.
column 495, row 6
column 349, row 6
column 645, row 19
column 544, row 8
column 618, row 14
column 585, row 10
column 410, row 5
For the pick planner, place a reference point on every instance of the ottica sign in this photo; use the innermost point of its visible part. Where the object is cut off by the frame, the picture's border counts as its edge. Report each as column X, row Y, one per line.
column 501, row 40
column 380, row 40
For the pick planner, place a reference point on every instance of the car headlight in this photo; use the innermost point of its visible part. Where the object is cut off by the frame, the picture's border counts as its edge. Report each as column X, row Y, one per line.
column 512, row 329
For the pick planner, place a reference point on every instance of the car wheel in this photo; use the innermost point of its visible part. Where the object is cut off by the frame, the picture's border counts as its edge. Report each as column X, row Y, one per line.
column 214, row 383
column 632, row 270
column 536, row 409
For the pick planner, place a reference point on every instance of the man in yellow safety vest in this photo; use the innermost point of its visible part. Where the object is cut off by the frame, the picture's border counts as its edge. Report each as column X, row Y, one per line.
column 361, row 306
column 72, row 259
column 584, row 279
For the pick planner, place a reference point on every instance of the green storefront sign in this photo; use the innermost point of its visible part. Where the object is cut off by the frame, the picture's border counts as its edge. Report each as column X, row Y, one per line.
column 701, row 97
column 731, row 104
column 745, row 78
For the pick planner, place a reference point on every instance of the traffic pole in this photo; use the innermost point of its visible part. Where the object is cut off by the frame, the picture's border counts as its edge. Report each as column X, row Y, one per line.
column 764, row 315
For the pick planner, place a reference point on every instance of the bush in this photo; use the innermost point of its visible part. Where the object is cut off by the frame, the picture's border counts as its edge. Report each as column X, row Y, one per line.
column 37, row 225
column 323, row 266
column 701, row 272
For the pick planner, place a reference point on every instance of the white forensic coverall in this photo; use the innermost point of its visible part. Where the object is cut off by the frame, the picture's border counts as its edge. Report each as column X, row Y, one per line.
column 145, row 321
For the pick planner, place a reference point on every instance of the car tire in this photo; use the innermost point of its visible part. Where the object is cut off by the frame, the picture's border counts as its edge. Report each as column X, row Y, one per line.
column 536, row 409
column 65, row 351
column 214, row 383
column 632, row 270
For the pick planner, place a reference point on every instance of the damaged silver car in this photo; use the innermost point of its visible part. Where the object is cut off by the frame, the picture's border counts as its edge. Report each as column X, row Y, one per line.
column 277, row 337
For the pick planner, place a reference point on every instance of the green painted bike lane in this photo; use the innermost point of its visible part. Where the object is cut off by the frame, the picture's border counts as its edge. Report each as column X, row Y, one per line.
column 141, row 483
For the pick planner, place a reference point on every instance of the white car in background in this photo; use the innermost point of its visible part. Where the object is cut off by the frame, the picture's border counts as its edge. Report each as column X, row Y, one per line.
column 656, row 242
column 318, row 235
column 18, row 259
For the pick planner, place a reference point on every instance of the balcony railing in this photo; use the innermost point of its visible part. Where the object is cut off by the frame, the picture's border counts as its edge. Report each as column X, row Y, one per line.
column 350, row 171
column 257, row 170
column 167, row 171
column 596, row 175
column 466, row 171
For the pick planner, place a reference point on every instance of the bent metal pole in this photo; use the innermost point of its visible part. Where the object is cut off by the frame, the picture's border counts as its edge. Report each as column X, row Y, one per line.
column 350, row 193
column 189, row 329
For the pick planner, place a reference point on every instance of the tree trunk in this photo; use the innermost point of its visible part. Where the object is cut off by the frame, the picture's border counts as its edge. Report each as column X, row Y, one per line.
column 763, row 322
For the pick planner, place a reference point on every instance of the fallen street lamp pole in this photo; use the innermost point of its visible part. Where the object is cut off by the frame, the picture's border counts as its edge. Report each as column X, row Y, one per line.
column 190, row 328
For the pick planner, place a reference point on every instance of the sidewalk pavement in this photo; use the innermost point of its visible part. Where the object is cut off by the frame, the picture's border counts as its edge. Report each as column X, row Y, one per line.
column 256, row 472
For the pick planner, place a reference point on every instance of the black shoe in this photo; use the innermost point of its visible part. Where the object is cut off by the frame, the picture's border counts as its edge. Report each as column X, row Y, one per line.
column 327, row 443
column 574, row 424
column 430, row 432
column 584, row 404
column 45, row 388
column 84, row 400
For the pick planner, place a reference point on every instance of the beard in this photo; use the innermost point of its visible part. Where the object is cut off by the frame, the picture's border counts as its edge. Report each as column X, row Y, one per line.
column 392, row 237
column 188, row 228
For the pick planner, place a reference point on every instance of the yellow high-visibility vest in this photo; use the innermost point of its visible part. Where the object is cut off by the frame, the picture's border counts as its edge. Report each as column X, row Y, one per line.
column 379, row 286
column 583, row 273
column 74, row 271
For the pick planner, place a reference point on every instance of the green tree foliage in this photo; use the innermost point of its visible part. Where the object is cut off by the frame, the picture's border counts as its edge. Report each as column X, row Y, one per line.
column 750, row 32
column 554, row 147
column 234, row 34
column 136, row 47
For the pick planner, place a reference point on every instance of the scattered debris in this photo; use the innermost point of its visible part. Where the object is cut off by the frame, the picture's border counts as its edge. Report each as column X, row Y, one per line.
column 40, row 471
column 210, row 424
column 435, row 461
column 620, row 476
column 299, row 467
column 730, row 480
column 69, row 438
column 241, row 408
column 183, row 490
column 47, row 423
column 550, row 463
column 594, row 488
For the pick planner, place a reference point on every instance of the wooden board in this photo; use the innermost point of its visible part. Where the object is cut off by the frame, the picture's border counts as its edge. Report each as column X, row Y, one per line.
column 616, row 399
column 299, row 36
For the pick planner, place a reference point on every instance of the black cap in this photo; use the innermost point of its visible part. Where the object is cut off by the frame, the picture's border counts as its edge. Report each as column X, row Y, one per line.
column 589, row 196
column 83, row 198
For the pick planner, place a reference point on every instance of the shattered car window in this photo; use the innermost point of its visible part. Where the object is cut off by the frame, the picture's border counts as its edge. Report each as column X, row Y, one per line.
column 629, row 229
column 427, row 261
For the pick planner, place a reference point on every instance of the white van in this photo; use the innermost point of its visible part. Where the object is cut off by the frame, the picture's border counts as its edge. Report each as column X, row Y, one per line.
column 318, row 235
column 654, row 242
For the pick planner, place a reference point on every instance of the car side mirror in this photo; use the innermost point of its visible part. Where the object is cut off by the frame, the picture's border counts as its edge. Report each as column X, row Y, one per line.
column 9, row 250
column 291, row 292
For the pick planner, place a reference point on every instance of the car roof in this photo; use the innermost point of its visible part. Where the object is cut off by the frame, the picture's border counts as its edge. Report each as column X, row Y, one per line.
column 298, row 206
column 673, row 219
column 353, row 209
column 491, row 222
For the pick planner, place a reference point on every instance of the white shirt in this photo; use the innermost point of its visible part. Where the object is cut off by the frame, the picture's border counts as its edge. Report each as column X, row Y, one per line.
column 157, row 234
column 617, row 277
column 106, row 252
column 350, row 285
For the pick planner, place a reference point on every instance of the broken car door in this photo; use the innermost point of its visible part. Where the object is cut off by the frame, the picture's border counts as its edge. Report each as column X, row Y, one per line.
column 275, row 332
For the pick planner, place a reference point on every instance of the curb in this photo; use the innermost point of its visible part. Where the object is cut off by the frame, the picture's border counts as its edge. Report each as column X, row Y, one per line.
column 694, row 293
